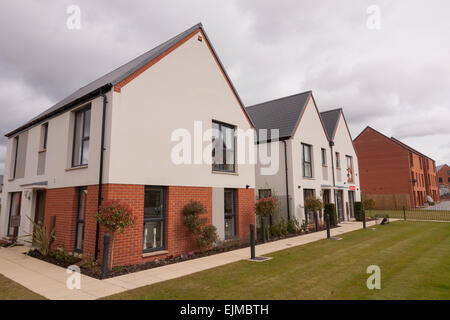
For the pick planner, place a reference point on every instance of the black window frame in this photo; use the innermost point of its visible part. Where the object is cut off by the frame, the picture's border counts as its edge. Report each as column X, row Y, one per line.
column 411, row 161
column 347, row 158
column 162, row 219
column 16, row 152
column 44, row 142
column 78, row 220
column 19, row 208
column 221, row 167
column 323, row 153
column 304, row 162
column 233, row 214
column 83, row 137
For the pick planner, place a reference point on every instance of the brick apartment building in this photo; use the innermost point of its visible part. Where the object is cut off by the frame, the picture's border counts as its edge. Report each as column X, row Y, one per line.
column 392, row 173
column 443, row 175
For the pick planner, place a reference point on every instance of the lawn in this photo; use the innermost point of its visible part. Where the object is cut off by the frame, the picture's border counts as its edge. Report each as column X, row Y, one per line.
column 415, row 214
column 414, row 258
column 10, row 290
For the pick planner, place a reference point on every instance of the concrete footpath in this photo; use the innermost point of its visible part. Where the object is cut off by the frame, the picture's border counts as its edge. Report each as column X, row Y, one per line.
column 49, row 280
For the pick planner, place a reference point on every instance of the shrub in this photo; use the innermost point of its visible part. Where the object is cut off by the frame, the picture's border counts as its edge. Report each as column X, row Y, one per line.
column 358, row 211
column 114, row 217
column 368, row 204
column 265, row 206
column 304, row 226
column 283, row 227
column 205, row 235
column 275, row 230
column 330, row 209
column 313, row 204
column 41, row 238
column 292, row 225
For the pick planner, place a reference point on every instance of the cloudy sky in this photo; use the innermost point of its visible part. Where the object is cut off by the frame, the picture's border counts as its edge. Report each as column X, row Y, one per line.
column 395, row 78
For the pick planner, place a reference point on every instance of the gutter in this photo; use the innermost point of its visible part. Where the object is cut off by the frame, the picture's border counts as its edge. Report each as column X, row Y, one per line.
column 287, row 185
column 100, row 174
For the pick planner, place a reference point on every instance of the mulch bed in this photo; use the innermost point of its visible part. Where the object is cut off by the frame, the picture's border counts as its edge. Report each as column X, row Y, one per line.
column 95, row 270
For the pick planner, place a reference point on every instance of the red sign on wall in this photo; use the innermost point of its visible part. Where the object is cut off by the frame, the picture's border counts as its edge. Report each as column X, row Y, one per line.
column 352, row 188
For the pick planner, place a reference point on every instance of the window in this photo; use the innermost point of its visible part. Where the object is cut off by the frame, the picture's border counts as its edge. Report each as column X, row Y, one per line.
column 81, row 137
column 324, row 157
column 154, row 216
column 223, row 152
column 44, row 134
column 338, row 160
column 307, row 164
column 14, row 214
column 349, row 168
column 420, row 163
column 448, row 179
column 79, row 227
column 411, row 159
column 230, row 213
column 308, row 193
column 448, row 172
column 264, row 193
column 15, row 152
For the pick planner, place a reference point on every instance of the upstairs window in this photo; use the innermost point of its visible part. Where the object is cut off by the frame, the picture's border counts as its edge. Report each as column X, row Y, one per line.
column 307, row 163
column 81, row 136
column 15, row 153
column 338, row 160
column 411, row 159
column 223, row 152
column 324, row 156
column 44, row 134
column 349, row 169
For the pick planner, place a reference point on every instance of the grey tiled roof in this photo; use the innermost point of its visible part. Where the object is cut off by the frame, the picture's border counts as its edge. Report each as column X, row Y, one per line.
column 105, row 82
column 283, row 114
column 330, row 120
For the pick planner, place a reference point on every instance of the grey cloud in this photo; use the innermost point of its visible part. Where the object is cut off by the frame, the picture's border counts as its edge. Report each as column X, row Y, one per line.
column 395, row 79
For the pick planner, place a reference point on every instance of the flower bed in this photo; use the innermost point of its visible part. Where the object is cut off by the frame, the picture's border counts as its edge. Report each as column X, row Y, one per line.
column 92, row 269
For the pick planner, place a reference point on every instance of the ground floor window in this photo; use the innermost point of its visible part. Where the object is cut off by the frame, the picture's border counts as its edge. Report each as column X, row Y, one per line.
column 14, row 214
column 81, row 213
column 264, row 193
column 230, row 213
column 154, row 218
column 308, row 193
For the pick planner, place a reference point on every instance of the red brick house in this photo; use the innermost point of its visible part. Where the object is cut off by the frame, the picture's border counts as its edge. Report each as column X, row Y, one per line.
column 114, row 139
column 443, row 175
column 393, row 173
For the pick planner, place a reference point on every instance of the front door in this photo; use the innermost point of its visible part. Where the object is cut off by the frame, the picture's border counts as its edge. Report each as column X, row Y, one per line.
column 40, row 208
column 351, row 203
column 340, row 204
column 14, row 214
column 230, row 213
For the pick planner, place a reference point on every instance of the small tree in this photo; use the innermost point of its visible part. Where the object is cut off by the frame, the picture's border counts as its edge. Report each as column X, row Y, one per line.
column 313, row 204
column 114, row 217
column 205, row 235
column 265, row 207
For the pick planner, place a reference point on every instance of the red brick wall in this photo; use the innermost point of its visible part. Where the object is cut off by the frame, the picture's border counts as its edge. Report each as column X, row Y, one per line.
column 383, row 164
column 128, row 245
column 245, row 212
column 62, row 203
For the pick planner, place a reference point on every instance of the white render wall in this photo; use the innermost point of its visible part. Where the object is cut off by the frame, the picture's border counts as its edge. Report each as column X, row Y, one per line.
column 185, row 86
column 58, row 172
column 343, row 144
column 310, row 131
